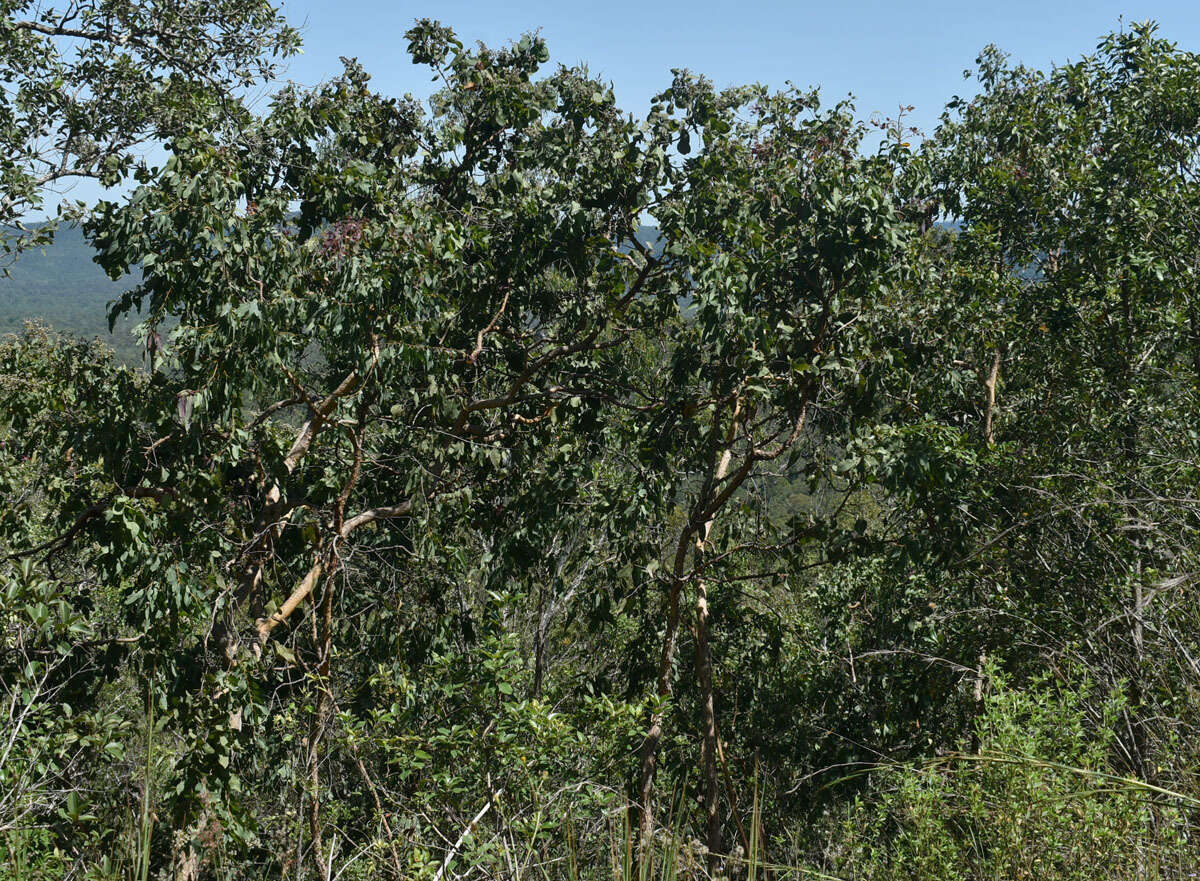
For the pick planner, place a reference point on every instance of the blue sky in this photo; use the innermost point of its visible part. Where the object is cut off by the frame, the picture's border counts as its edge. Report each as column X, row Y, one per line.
column 885, row 53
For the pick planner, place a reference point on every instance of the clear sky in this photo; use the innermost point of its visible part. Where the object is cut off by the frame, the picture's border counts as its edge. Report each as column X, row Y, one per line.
column 885, row 53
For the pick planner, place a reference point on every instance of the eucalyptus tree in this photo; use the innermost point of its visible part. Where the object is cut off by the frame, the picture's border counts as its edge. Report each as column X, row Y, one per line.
column 1066, row 319
column 89, row 84
column 787, row 242
column 437, row 293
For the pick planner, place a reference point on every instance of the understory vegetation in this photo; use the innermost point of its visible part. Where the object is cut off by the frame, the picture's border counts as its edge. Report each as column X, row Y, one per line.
column 513, row 486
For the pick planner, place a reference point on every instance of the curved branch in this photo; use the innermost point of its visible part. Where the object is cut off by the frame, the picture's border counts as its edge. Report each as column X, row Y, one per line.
column 309, row 582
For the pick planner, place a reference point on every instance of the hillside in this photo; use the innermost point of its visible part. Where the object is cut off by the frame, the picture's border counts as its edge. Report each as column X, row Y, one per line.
column 63, row 287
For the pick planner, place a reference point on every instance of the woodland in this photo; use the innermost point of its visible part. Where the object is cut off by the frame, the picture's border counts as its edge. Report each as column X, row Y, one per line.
column 511, row 485
column 58, row 284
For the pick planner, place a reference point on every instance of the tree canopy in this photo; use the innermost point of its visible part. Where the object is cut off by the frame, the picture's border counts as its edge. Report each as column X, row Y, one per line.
column 514, row 485
column 88, row 84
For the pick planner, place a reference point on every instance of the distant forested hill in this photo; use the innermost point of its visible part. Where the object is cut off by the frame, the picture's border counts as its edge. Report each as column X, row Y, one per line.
column 65, row 289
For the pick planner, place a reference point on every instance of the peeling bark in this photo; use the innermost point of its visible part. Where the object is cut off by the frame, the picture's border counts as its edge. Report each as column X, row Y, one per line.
column 989, row 386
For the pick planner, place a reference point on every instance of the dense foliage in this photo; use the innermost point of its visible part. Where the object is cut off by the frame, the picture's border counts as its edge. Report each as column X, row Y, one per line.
column 88, row 84
column 460, row 522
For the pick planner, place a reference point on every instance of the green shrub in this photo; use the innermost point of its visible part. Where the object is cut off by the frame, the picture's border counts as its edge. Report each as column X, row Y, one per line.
column 1037, row 800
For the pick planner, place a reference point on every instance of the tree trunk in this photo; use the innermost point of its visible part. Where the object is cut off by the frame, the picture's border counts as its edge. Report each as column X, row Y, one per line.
column 1130, row 443
column 712, row 784
column 989, row 386
column 712, row 821
column 539, row 642
column 653, row 741
column 654, row 735
column 979, row 683
column 316, row 732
